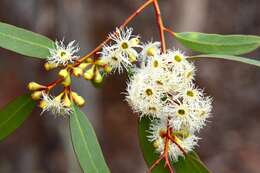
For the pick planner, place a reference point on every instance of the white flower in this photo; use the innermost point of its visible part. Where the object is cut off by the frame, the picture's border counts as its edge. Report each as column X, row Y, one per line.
column 63, row 55
column 121, row 53
column 184, row 139
column 151, row 49
column 54, row 105
column 114, row 59
column 175, row 58
column 144, row 94
column 126, row 43
column 190, row 113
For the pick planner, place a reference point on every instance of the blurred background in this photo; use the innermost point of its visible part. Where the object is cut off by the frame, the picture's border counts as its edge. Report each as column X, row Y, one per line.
column 231, row 141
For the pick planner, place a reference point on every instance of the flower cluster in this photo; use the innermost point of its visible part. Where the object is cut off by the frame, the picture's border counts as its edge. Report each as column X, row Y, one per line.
column 161, row 87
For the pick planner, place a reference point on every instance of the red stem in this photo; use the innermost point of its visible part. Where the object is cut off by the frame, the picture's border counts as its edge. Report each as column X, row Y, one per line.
column 138, row 11
column 160, row 24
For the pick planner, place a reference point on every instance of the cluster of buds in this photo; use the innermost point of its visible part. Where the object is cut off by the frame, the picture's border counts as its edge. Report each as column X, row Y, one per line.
column 64, row 57
column 59, row 105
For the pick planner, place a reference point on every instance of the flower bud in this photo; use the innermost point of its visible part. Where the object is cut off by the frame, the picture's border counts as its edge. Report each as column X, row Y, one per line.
column 66, row 101
column 107, row 69
column 84, row 65
column 98, row 78
column 36, row 95
column 63, row 73
column 33, row 86
column 77, row 71
column 100, row 62
column 49, row 66
column 151, row 51
column 67, row 81
column 43, row 104
column 59, row 97
column 89, row 74
column 156, row 144
column 132, row 58
column 135, row 41
column 78, row 99
column 89, row 60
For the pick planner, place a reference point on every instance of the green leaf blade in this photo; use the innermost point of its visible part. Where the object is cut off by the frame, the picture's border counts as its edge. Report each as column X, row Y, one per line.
column 85, row 144
column 14, row 114
column 190, row 164
column 229, row 57
column 219, row 44
column 24, row 42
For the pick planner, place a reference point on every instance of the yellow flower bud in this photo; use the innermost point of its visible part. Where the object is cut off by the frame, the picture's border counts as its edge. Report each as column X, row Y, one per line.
column 66, row 101
column 89, row 74
column 151, row 51
column 100, row 62
column 156, row 144
column 135, row 41
column 89, row 60
column 67, row 81
column 78, row 99
column 132, row 58
column 98, row 78
column 49, row 66
column 36, row 95
column 84, row 65
column 59, row 97
column 32, row 86
column 107, row 69
column 77, row 71
column 43, row 104
column 64, row 73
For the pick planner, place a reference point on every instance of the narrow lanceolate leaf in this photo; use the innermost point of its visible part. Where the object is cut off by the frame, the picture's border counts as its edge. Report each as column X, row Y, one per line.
column 24, row 42
column 219, row 44
column 14, row 114
column 190, row 164
column 229, row 57
column 85, row 144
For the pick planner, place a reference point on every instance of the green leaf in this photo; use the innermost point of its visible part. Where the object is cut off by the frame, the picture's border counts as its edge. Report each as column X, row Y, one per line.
column 24, row 42
column 85, row 144
column 191, row 163
column 219, row 44
column 229, row 57
column 14, row 114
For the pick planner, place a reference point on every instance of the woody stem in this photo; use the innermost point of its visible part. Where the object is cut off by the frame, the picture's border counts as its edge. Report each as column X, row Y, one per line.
column 160, row 24
column 138, row 11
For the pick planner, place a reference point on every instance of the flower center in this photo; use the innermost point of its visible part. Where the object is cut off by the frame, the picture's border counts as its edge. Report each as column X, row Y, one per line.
column 63, row 55
column 149, row 92
column 178, row 58
column 124, row 45
column 159, row 82
column 152, row 109
column 190, row 93
column 181, row 112
column 155, row 64
column 114, row 58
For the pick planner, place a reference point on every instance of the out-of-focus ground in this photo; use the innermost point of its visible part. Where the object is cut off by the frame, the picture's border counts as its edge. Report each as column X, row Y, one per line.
column 231, row 141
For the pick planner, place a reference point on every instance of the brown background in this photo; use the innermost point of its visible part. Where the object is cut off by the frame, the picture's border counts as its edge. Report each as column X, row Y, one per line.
column 231, row 141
